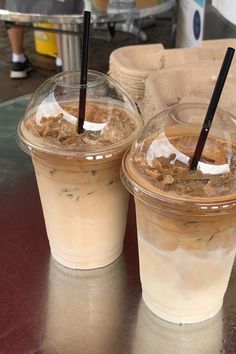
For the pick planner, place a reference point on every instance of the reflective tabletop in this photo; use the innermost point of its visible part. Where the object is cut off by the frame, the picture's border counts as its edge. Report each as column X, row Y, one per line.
column 47, row 308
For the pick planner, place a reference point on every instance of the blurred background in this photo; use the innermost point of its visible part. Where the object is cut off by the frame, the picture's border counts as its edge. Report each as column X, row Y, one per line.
column 116, row 24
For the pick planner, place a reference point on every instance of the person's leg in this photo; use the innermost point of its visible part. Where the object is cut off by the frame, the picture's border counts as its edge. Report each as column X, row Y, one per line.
column 20, row 64
column 59, row 52
column 16, row 36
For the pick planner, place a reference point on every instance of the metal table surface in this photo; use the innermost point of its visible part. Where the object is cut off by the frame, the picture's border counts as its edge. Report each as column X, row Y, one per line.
column 46, row 308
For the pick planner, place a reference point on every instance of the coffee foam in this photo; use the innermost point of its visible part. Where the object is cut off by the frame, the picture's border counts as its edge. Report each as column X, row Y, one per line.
column 108, row 129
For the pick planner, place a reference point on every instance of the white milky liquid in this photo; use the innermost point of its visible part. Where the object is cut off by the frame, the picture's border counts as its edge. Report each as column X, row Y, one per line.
column 85, row 213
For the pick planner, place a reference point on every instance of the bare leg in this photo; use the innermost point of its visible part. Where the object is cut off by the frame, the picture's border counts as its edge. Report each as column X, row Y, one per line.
column 58, row 45
column 20, row 64
column 16, row 36
column 59, row 52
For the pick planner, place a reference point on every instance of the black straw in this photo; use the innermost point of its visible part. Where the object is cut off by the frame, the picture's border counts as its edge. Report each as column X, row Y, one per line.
column 84, row 71
column 212, row 108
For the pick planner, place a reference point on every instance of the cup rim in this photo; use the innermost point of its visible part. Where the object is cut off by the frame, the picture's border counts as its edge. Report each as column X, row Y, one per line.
column 169, row 202
column 87, row 153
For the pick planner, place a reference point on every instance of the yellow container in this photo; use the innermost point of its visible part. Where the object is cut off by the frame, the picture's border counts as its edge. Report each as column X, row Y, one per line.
column 45, row 42
column 100, row 5
column 144, row 4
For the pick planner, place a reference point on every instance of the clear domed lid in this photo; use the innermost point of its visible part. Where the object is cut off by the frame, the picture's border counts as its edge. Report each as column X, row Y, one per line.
column 51, row 118
column 157, row 166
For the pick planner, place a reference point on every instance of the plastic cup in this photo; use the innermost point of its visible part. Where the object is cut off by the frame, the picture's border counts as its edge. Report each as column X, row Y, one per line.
column 83, row 200
column 186, row 222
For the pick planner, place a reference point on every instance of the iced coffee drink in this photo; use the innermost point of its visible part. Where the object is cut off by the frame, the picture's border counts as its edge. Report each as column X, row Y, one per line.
column 84, row 202
column 186, row 221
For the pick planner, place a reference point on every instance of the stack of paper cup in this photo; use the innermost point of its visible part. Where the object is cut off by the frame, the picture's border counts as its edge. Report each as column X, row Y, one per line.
column 132, row 64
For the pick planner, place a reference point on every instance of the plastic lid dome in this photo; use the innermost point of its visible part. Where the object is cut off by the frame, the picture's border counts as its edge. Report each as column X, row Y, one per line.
column 157, row 166
column 50, row 122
